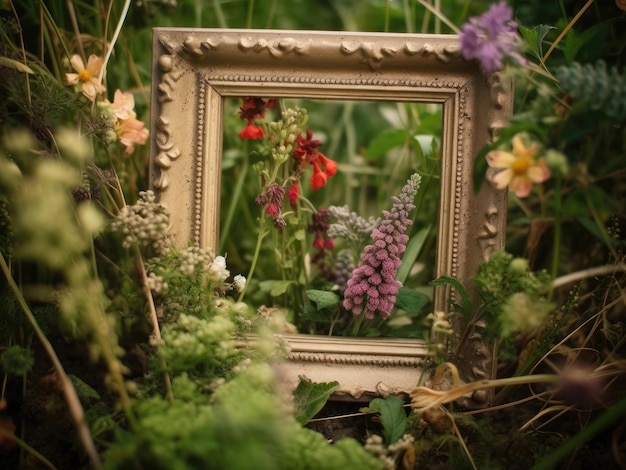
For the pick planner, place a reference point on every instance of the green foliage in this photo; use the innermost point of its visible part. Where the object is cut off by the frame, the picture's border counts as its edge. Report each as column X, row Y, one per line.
column 310, row 398
column 535, row 38
column 244, row 424
column 465, row 307
column 512, row 297
column 598, row 87
column 411, row 301
column 17, row 360
column 392, row 416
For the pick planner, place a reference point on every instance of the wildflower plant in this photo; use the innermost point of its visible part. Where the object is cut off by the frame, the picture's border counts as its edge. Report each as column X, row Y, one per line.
column 372, row 288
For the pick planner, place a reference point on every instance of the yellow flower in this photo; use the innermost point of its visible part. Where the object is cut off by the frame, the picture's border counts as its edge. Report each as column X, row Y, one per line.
column 519, row 168
column 86, row 77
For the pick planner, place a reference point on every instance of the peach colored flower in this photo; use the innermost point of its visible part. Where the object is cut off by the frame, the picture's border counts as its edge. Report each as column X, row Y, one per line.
column 123, row 105
column 130, row 132
column 86, row 77
column 519, row 168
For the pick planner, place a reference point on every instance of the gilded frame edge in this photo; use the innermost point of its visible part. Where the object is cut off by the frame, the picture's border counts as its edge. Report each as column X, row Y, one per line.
column 194, row 69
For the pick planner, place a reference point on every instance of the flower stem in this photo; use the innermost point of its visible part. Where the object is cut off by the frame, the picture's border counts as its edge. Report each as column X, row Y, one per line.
column 236, row 196
column 557, row 230
column 75, row 407
column 257, row 251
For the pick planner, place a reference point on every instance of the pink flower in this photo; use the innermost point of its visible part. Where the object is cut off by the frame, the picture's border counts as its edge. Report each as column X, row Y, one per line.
column 519, row 168
column 123, row 105
column 374, row 277
column 86, row 77
column 131, row 131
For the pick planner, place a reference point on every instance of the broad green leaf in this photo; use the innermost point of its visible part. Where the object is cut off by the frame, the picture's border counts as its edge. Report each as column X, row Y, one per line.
column 311, row 397
column 426, row 142
column 392, row 416
column 275, row 288
column 411, row 301
column 14, row 64
column 574, row 42
column 534, row 38
column 323, row 299
column 413, row 249
column 466, row 306
column 384, row 142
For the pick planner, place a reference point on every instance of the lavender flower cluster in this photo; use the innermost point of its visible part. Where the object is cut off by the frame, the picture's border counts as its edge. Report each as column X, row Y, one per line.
column 372, row 288
column 491, row 38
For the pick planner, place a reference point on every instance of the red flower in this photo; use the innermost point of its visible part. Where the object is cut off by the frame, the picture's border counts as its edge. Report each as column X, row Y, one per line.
column 251, row 132
column 293, row 193
column 251, row 109
column 318, row 242
column 272, row 209
column 306, row 152
column 318, row 179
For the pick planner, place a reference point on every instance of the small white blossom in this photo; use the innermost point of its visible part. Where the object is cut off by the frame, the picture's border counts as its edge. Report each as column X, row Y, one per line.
column 218, row 269
column 239, row 282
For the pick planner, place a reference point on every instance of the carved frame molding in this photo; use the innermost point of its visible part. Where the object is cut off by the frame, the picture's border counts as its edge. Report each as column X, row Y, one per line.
column 195, row 69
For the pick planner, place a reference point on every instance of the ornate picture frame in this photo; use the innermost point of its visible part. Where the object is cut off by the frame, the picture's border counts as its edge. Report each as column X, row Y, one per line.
column 194, row 70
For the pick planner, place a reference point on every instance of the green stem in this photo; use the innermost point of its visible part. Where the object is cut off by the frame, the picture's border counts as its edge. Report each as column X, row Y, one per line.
column 235, row 199
column 610, row 416
column 356, row 324
column 23, row 445
column 387, row 2
column 257, row 251
column 73, row 402
column 219, row 14
column 557, row 229
column 250, row 14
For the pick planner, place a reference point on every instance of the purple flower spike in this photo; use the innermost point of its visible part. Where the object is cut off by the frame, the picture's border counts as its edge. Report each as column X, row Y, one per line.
column 491, row 38
column 372, row 288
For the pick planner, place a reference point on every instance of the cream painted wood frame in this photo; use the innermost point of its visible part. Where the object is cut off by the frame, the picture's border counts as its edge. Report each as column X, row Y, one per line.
column 195, row 69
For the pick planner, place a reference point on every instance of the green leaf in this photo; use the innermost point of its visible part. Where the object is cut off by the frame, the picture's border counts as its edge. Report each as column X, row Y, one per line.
column 534, row 38
column 574, row 42
column 411, row 301
column 85, row 391
column 384, row 142
column 323, row 299
column 392, row 416
column 275, row 288
column 311, row 397
column 413, row 249
column 466, row 306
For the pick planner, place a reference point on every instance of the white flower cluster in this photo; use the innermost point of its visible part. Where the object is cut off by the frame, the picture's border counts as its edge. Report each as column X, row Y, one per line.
column 194, row 257
column 388, row 455
column 145, row 223
column 239, row 282
column 218, row 271
column 156, row 284
column 350, row 225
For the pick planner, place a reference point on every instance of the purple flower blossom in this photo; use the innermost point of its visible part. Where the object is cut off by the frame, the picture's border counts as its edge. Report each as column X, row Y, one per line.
column 372, row 288
column 491, row 38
